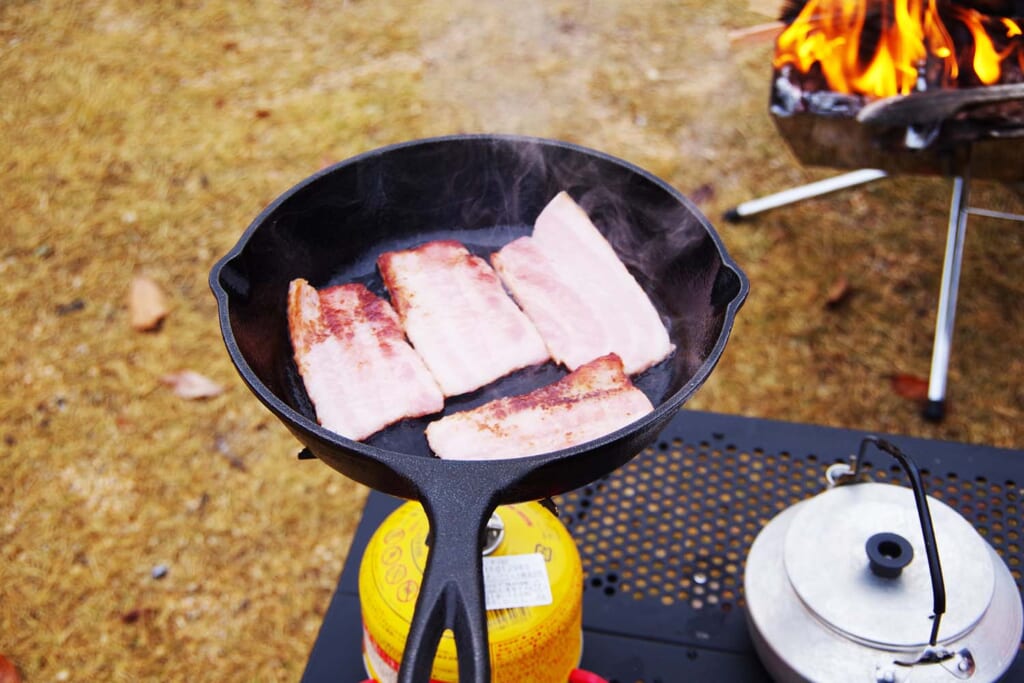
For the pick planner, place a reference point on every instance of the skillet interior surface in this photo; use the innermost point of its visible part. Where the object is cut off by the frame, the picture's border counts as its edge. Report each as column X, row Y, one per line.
column 483, row 191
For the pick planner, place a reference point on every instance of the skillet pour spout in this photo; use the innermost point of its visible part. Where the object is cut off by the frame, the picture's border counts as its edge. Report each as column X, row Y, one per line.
column 484, row 191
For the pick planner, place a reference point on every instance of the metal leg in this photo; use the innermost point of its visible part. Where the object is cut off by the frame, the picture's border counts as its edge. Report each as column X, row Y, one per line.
column 796, row 194
column 935, row 408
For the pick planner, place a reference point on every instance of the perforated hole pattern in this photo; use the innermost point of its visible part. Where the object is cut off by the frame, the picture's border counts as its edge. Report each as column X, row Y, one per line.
column 674, row 525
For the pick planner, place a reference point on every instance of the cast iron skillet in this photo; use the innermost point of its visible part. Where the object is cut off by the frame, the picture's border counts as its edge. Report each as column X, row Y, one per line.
column 484, row 191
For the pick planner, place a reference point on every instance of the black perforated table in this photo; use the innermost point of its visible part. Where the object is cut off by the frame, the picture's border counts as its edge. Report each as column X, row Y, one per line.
column 664, row 538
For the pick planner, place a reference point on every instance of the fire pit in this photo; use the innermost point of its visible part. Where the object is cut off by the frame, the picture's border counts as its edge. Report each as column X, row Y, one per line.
column 903, row 87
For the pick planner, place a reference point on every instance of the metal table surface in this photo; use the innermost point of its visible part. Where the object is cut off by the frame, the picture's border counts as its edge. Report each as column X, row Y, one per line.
column 664, row 540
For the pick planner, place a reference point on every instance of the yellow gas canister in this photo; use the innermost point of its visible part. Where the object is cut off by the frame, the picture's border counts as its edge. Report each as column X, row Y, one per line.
column 539, row 644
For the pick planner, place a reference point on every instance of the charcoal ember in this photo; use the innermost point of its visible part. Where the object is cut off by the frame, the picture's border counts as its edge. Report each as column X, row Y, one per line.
column 787, row 97
column 796, row 93
column 828, row 103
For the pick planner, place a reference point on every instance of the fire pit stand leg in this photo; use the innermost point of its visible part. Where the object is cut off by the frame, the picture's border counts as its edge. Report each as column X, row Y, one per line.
column 802, row 192
column 935, row 408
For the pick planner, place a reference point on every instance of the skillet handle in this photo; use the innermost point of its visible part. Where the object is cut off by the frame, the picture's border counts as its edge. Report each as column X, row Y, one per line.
column 451, row 595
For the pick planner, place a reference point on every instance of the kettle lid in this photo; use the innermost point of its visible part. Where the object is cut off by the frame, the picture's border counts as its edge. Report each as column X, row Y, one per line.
column 855, row 556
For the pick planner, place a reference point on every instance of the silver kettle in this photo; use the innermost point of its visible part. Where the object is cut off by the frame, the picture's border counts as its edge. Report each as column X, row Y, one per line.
column 875, row 583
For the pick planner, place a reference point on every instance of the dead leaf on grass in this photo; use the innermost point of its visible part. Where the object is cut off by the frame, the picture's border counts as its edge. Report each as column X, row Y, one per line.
column 837, row 293
column 147, row 304
column 909, row 387
column 137, row 614
column 8, row 673
column 191, row 385
column 72, row 306
column 702, row 194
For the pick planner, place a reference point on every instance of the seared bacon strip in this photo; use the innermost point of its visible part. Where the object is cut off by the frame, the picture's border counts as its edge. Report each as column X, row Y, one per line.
column 358, row 369
column 581, row 297
column 457, row 315
column 592, row 401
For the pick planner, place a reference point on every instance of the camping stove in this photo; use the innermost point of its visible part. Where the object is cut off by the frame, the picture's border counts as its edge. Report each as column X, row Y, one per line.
column 664, row 541
column 533, row 585
column 875, row 582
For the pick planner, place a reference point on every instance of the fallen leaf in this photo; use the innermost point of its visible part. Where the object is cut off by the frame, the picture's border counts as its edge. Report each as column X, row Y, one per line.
column 777, row 234
column 568, row 26
column 8, row 673
column 134, row 615
column 191, row 385
column 910, row 387
column 70, row 307
column 147, row 304
column 702, row 194
column 224, row 449
column 837, row 293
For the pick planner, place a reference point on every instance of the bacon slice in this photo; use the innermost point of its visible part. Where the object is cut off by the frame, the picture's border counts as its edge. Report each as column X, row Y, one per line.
column 592, row 401
column 458, row 316
column 358, row 369
column 585, row 303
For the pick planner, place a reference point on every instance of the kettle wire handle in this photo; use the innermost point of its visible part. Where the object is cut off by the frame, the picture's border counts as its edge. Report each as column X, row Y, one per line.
column 921, row 501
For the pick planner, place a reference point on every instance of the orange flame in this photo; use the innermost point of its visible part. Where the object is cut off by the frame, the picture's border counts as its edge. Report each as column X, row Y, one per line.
column 911, row 37
column 986, row 58
column 1013, row 30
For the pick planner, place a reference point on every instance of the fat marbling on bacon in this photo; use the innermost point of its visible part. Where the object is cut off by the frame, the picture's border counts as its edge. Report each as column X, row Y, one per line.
column 573, row 286
column 458, row 316
column 590, row 402
column 358, row 369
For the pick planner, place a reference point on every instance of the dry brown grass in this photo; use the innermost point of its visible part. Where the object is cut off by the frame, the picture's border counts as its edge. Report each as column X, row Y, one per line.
column 141, row 139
